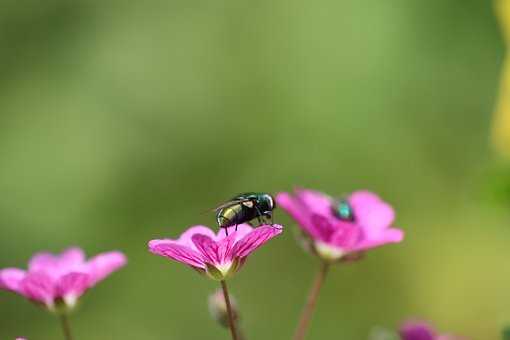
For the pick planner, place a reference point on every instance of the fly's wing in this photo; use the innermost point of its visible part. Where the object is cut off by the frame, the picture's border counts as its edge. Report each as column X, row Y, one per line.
column 231, row 203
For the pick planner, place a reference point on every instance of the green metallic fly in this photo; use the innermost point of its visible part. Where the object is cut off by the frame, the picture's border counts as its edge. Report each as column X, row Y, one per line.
column 245, row 207
column 343, row 210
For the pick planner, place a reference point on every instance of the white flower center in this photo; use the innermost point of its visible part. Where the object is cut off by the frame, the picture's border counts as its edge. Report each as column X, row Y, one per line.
column 224, row 267
column 329, row 252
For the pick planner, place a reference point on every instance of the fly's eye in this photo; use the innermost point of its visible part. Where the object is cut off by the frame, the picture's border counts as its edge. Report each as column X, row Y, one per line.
column 272, row 204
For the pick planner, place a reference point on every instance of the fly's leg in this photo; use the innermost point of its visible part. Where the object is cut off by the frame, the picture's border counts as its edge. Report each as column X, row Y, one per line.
column 227, row 225
column 260, row 216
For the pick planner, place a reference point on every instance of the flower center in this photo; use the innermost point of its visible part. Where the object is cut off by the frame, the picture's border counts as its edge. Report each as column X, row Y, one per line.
column 329, row 252
column 224, row 267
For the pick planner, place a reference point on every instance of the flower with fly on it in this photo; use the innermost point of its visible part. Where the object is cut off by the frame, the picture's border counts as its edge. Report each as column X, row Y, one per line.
column 419, row 330
column 57, row 281
column 215, row 254
column 341, row 229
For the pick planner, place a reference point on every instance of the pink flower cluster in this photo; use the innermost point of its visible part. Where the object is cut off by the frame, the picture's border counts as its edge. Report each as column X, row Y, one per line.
column 57, row 281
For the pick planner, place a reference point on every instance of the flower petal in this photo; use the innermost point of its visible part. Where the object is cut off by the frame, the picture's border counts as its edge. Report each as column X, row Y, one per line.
column 242, row 230
column 322, row 228
column 186, row 238
column 315, row 201
column 207, row 247
column 102, row 265
column 57, row 265
column 298, row 211
column 226, row 243
column 417, row 331
column 387, row 236
column 255, row 239
column 10, row 279
column 42, row 262
column 346, row 236
column 39, row 287
column 177, row 252
column 71, row 257
column 71, row 286
column 371, row 213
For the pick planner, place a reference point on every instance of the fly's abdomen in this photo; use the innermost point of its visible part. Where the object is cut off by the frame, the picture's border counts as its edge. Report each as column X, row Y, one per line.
column 231, row 216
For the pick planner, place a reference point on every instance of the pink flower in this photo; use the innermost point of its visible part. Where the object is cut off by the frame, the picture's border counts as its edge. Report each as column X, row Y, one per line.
column 419, row 330
column 57, row 281
column 365, row 223
column 215, row 254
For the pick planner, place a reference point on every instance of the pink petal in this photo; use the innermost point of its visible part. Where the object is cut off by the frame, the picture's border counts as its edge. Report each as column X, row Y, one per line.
column 322, row 228
column 226, row 244
column 71, row 257
column 72, row 285
column 346, row 235
column 300, row 213
column 255, row 239
column 39, row 287
column 315, row 201
column 371, row 213
column 57, row 265
column 186, row 238
column 417, row 331
column 42, row 262
column 10, row 279
column 102, row 265
column 387, row 236
column 242, row 230
column 207, row 247
column 177, row 252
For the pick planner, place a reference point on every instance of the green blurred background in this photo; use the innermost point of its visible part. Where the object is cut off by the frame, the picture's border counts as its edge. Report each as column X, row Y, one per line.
column 124, row 121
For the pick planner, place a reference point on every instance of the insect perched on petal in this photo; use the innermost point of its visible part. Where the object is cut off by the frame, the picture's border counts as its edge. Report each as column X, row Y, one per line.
column 341, row 229
column 244, row 208
column 215, row 254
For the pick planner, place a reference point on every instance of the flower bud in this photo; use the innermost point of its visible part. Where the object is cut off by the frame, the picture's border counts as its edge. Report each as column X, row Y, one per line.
column 379, row 333
column 218, row 308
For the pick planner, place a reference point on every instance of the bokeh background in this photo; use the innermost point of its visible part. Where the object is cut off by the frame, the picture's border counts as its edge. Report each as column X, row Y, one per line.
column 124, row 121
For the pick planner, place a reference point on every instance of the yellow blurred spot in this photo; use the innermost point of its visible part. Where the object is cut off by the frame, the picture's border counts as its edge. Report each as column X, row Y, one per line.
column 501, row 127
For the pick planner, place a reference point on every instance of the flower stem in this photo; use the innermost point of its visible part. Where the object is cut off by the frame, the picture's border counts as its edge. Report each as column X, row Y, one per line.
column 65, row 327
column 307, row 312
column 231, row 319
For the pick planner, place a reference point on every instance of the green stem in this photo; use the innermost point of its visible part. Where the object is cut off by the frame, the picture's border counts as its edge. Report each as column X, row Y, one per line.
column 66, row 329
column 306, row 315
column 231, row 320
